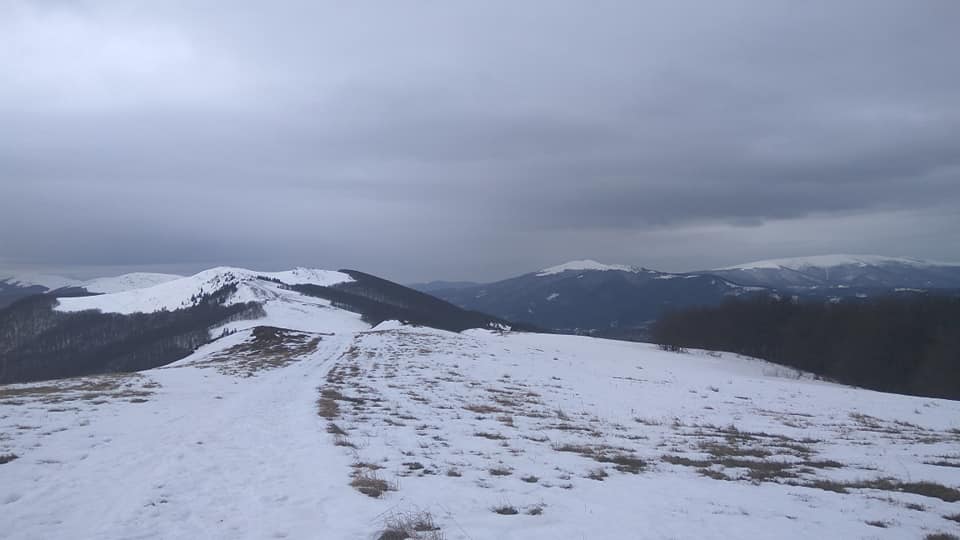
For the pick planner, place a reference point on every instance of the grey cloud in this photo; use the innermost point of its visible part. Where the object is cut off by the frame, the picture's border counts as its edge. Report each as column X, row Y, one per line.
column 441, row 140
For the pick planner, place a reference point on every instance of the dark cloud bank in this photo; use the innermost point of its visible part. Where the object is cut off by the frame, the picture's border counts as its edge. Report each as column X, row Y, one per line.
column 475, row 140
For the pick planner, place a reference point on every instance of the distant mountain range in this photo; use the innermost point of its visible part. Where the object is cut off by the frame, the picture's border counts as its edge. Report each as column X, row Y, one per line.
column 159, row 317
column 864, row 271
column 18, row 285
column 621, row 300
column 140, row 321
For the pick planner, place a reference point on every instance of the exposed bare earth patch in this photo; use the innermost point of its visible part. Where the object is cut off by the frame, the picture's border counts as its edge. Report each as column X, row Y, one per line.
column 268, row 348
column 97, row 388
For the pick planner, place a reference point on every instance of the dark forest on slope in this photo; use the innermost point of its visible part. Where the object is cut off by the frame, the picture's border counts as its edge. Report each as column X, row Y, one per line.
column 379, row 300
column 905, row 345
column 37, row 342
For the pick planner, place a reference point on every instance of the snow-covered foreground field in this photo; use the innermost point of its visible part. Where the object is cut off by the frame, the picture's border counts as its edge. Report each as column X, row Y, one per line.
column 280, row 434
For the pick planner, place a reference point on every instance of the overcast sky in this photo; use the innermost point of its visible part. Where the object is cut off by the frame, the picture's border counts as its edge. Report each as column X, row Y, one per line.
column 475, row 140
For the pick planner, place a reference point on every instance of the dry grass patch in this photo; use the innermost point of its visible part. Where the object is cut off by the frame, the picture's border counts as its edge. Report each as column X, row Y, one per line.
column 328, row 408
column 597, row 474
column 730, row 448
column 582, row 449
column 563, row 426
column 335, row 429
column 534, row 510
column 365, row 465
column 942, row 463
column 340, row 440
column 97, row 389
column 505, row 510
column 727, row 450
column 416, row 526
column 491, row 436
column 710, row 473
column 268, row 348
column 925, row 489
column 625, row 463
column 7, row 458
column 370, row 484
column 483, row 409
column 622, row 460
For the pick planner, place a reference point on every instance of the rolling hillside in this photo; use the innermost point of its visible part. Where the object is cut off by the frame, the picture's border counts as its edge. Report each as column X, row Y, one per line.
column 331, row 429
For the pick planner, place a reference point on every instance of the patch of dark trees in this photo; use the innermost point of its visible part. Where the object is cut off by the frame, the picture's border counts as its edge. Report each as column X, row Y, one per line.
column 11, row 293
column 903, row 345
column 38, row 342
column 378, row 300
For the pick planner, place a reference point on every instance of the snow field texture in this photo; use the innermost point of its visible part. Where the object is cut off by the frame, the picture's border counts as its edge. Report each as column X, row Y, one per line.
column 306, row 433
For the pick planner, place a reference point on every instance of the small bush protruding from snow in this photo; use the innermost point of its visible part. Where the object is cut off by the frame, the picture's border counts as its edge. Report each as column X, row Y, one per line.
column 416, row 526
column 335, row 429
column 535, row 510
column 505, row 510
column 597, row 474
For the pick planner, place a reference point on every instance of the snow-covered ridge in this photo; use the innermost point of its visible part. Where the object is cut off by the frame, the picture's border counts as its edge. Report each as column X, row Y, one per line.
column 50, row 282
column 183, row 292
column 127, row 282
column 585, row 264
column 826, row 261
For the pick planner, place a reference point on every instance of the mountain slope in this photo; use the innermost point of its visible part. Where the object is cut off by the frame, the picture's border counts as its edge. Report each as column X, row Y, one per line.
column 863, row 271
column 621, row 301
column 16, row 286
column 45, row 336
column 47, row 281
column 183, row 292
column 440, row 285
column 589, row 295
column 580, row 437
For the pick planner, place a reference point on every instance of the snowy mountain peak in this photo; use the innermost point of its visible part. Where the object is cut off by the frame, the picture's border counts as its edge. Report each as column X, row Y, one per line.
column 585, row 264
column 827, row 261
column 181, row 292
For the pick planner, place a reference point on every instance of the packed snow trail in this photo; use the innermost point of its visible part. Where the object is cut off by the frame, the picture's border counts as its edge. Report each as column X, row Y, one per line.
column 208, row 456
